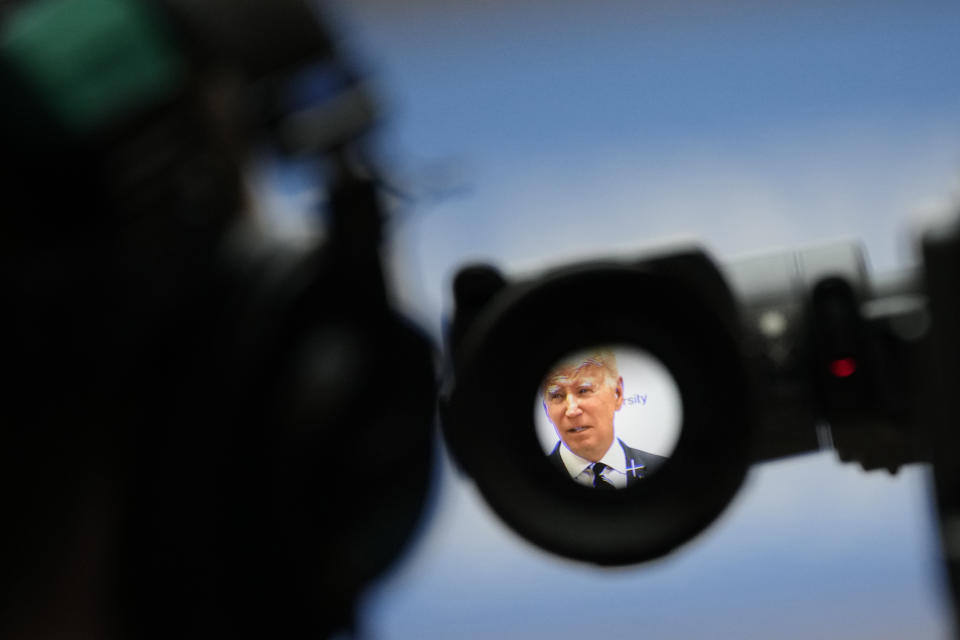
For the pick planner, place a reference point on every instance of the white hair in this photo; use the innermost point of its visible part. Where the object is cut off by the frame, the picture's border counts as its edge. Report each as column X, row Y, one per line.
column 602, row 358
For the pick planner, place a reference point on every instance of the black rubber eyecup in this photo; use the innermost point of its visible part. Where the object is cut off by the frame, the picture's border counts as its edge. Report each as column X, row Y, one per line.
column 488, row 420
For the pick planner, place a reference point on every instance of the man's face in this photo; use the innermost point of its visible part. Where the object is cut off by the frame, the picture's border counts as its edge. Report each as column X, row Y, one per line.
column 580, row 404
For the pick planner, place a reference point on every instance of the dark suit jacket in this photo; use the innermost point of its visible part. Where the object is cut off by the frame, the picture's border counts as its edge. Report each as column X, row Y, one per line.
column 643, row 463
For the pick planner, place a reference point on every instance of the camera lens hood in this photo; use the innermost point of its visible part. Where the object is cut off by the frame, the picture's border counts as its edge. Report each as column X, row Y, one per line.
column 676, row 310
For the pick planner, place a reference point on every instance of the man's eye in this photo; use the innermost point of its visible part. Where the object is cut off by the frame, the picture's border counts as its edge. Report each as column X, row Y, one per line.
column 585, row 391
column 554, row 397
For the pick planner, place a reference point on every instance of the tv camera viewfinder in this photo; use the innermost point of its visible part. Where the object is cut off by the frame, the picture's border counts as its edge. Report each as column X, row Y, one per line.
column 633, row 394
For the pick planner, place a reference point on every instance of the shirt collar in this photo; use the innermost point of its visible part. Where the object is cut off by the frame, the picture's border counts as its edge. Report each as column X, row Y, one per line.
column 613, row 458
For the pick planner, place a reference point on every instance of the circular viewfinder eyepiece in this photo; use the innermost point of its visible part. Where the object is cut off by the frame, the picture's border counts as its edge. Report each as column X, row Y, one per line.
column 551, row 407
column 608, row 417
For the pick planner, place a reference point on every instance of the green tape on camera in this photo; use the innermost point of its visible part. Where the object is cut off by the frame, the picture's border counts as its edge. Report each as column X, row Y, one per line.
column 92, row 61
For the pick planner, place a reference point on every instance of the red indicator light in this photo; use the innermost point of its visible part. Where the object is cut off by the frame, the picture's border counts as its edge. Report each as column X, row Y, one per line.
column 843, row 367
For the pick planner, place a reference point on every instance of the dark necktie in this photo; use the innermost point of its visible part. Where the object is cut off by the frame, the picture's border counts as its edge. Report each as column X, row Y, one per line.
column 599, row 482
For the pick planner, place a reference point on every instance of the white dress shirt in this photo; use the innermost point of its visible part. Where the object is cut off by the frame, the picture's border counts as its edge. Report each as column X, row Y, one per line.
column 580, row 469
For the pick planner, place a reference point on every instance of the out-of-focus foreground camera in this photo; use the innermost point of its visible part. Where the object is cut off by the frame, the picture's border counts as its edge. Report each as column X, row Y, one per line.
column 196, row 440
column 609, row 411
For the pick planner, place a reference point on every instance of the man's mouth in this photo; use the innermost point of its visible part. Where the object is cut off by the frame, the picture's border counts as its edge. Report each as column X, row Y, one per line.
column 577, row 429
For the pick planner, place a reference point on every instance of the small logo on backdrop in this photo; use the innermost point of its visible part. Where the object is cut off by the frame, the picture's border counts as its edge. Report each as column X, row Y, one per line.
column 636, row 400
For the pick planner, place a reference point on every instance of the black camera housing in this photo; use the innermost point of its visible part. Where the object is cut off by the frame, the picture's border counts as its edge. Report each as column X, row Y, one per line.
column 505, row 336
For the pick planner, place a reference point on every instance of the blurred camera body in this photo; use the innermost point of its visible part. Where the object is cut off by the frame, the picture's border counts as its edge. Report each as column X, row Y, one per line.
column 188, row 438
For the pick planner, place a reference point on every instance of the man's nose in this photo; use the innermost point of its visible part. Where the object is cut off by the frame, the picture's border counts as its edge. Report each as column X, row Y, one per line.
column 573, row 409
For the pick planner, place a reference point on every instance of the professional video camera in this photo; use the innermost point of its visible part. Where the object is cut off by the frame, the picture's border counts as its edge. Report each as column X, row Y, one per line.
column 188, row 441
column 181, row 441
column 754, row 360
